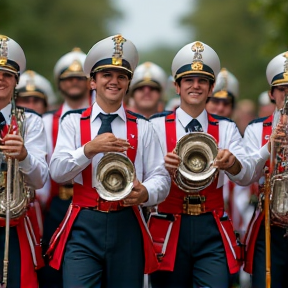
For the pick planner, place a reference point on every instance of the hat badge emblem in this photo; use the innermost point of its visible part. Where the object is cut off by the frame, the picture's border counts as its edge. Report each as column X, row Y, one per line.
column 285, row 74
column 30, row 84
column 147, row 73
column 3, row 50
column 75, row 66
column 197, row 63
column 223, row 93
column 118, row 50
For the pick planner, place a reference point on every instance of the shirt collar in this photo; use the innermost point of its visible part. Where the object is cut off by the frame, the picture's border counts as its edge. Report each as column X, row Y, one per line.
column 6, row 111
column 97, row 110
column 66, row 107
column 185, row 118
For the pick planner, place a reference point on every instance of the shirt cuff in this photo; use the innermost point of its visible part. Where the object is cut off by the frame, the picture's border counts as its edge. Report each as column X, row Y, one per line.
column 264, row 152
column 79, row 157
column 25, row 165
column 239, row 176
column 152, row 198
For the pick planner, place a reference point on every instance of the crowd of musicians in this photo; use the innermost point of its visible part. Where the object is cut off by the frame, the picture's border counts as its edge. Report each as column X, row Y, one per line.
column 158, row 235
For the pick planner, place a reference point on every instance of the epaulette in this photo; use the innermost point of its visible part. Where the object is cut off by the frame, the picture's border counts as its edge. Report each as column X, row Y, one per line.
column 139, row 116
column 78, row 111
column 161, row 114
column 259, row 120
column 221, row 118
column 29, row 110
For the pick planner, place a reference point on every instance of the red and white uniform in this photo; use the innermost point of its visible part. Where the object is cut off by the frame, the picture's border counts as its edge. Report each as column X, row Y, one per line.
column 170, row 129
column 35, row 170
column 256, row 137
column 51, row 124
column 69, row 162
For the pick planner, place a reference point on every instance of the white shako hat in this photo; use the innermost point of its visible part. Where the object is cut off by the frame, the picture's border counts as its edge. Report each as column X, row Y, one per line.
column 196, row 58
column 149, row 74
column 70, row 65
column 264, row 99
column 114, row 52
column 12, row 57
column 33, row 84
column 226, row 85
column 277, row 70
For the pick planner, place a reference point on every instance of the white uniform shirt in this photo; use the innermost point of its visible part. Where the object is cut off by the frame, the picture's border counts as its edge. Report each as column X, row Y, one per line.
column 68, row 159
column 254, row 147
column 229, row 138
column 44, row 193
column 34, row 167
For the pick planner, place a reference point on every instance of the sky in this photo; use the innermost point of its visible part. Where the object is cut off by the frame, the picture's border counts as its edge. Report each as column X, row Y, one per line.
column 150, row 22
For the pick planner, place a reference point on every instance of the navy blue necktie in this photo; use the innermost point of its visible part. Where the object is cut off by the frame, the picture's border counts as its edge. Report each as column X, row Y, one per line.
column 2, row 121
column 194, row 126
column 106, row 122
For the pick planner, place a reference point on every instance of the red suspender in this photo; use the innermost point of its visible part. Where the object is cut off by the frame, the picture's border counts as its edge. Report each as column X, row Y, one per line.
column 171, row 135
column 132, row 135
column 85, row 130
column 213, row 127
column 266, row 132
column 55, row 125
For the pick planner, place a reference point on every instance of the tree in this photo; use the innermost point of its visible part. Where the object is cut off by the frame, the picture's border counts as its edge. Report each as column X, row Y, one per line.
column 276, row 14
column 237, row 36
column 46, row 30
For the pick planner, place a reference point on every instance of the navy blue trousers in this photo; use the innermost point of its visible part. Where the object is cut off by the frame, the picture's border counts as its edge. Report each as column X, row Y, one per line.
column 279, row 259
column 104, row 250
column 200, row 259
column 49, row 277
column 14, row 265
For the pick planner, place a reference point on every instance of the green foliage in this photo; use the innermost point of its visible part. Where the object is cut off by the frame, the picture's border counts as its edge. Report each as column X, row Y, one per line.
column 46, row 30
column 237, row 36
column 275, row 12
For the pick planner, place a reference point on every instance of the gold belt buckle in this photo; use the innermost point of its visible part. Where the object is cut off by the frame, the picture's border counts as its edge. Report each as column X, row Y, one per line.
column 65, row 192
column 194, row 205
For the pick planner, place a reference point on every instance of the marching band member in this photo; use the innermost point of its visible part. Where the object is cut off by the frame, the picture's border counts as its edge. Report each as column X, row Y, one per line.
column 256, row 138
column 147, row 89
column 35, row 92
column 236, row 198
column 226, row 91
column 73, row 84
column 29, row 149
column 266, row 105
column 201, row 248
column 100, row 242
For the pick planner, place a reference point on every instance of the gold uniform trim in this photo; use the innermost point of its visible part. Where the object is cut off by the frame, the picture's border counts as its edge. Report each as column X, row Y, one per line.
column 145, row 82
column 197, row 66
column 281, row 81
column 118, row 40
column 99, row 68
column 9, row 68
column 194, row 72
column 221, row 94
column 117, row 61
column 3, row 61
column 32, row 93
column 68, row 74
